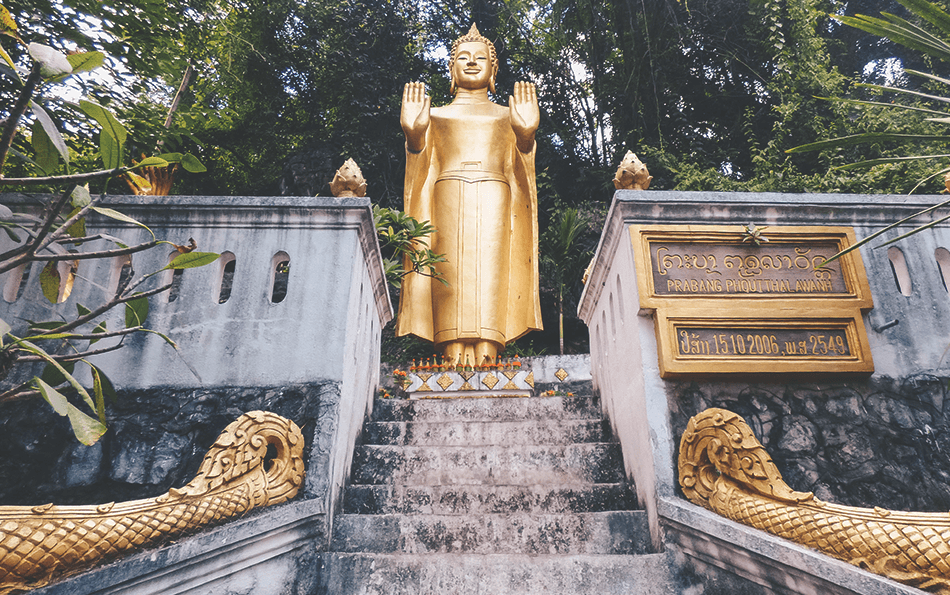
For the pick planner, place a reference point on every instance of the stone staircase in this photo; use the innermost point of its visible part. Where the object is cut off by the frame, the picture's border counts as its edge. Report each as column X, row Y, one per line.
column 491, row 496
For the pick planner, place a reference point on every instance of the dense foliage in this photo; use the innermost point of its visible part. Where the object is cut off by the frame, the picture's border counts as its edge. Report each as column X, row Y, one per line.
column 710, row 94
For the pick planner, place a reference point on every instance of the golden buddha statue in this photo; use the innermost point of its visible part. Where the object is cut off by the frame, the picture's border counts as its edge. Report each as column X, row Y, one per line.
column 470, row 171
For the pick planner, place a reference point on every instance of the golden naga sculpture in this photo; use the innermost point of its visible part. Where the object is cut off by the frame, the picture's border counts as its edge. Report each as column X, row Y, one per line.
column 470, row 172
column 632, row 174
column 348, row 180
column 724, row 468
column 38, row 543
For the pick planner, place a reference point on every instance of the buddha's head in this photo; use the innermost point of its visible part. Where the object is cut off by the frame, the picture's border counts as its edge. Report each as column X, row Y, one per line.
column 474, row 63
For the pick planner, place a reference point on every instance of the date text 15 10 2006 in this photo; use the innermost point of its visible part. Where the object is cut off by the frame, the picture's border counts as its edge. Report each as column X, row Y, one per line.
column 760, row 342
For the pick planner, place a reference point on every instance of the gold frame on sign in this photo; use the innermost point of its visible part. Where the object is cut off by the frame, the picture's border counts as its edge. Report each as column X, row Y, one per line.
column 791, row 311
column 852, row 267
column 673, row 363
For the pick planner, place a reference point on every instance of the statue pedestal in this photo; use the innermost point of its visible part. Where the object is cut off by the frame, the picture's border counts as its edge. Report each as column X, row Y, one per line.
column 448, row 384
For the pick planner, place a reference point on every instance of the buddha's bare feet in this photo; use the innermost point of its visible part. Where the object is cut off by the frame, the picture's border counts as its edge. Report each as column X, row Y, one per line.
column 453, row 352
column 485, row 352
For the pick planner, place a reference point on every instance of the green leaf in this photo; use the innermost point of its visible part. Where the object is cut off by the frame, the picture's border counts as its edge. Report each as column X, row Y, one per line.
column 113, row 214
column 884, row 160
column 108, row 389
column 82, row 309
column 884, row 230
column 897, row 106
column 868, row 137
column 899, row 31
column 87, row 429
column 4, row 327
column 886, row 89
column 933, row 223
column 191, row 260
column 6, row 58
column 106, row 120
column 48, row 358
column 44, row 326
column 11, row 235
column 136, row 311
column 53, row 376
column 98, row 390
column 52, row 132
column 77, row 229
column 86, row 61
column 109, row 150
column 171, row 157
column 191, row 163
column 44, row 150
column 53, row 63
column 80, row 197
column 141, row 183
column 52, row 396
column 49, row 282
column 928, row 11
column 7, row 23
column 152, row 162
column 50, row 336
column 167, row 340
column 100, row 328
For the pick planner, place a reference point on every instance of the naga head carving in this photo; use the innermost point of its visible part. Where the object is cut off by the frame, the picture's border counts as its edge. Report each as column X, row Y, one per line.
column 719, row 448
column 259, row 448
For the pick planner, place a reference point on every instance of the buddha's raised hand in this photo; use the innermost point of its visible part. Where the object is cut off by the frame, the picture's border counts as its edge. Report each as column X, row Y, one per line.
column 525, row 115
column 414, row 116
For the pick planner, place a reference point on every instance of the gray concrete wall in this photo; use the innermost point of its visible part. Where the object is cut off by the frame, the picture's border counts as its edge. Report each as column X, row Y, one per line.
column 648, row 413
column 335, row 277
column 313, row 357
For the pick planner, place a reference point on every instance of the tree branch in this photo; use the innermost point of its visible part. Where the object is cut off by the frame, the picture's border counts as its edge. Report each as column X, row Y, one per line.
column 103, row 309
column 17, row 112
column 71, row 178
column 73, row 357
column 98, row 254
column 34, row 244
column 68, row 223
column 16, row 393
column 91, row 336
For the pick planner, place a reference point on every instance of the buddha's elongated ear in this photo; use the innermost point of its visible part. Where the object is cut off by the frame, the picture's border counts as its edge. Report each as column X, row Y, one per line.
column 453, row 87
column 491, row 83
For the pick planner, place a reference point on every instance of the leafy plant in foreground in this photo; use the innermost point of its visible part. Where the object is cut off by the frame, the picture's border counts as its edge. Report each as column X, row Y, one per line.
column 907, row 34
column 41, row 237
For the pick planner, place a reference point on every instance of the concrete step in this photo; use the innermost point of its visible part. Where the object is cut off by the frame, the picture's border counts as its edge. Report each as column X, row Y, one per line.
column 487, row 409
column 508, row 574
column 479, row 499
column 488, row 465
column 616, row 532
column 461, row 433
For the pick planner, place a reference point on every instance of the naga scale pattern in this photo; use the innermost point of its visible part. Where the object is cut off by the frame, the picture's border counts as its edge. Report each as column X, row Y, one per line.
column 38, row 543
column 724, row 468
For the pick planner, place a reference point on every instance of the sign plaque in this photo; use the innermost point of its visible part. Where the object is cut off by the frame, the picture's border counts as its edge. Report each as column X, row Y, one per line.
column 727, row 306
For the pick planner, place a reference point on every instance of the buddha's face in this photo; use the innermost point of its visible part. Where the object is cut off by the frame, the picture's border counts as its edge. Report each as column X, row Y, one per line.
column 472, row 68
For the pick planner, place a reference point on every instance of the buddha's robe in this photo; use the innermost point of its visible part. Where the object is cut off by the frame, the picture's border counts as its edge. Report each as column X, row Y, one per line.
column 483, row 202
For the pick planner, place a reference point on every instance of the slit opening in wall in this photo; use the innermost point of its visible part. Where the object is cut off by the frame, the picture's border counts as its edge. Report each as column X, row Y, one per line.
column 280, row 275
column 121, row 274
column 620, row 299
column 226, row 276
column 943, row 263
column 16, row 282
column 64, row 272
column 899, row 268
column 174, row 279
